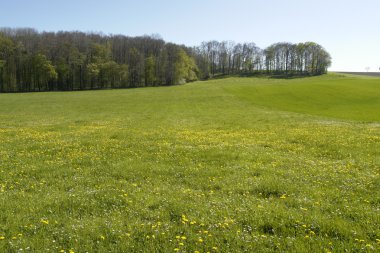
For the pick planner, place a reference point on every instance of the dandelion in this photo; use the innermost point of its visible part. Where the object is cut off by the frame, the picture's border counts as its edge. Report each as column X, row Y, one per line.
column 2, row 237
column 46, row 222
column 200, row 240
column 215, row 248
column 181, row 244
column 102, row 237
column 183, row 237
column 283, row 196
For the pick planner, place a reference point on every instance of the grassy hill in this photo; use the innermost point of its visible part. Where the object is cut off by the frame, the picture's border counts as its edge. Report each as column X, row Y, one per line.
column 227, row 165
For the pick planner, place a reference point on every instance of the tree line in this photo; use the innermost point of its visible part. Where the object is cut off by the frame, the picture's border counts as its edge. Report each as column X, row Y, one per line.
column 284, row 58
column 50, row 61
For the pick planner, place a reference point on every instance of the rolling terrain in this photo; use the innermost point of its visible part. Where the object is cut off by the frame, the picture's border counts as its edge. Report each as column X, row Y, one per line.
column 376, row 74
column 226, row 165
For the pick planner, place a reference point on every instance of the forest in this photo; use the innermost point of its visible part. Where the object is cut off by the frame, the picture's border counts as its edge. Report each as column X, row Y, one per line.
column 62, row 61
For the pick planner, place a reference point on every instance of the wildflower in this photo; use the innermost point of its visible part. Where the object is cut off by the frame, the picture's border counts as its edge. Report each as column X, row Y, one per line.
column 2, row 237
column 46, row 222
column 283, row 196
column 183, row 237
column 200, row 240
column 176, row 249
column 102, row 237
column 71, row 251
column 181, row 244
column 215, row 248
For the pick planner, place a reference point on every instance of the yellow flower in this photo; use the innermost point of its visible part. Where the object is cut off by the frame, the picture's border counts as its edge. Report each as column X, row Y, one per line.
column 200, row 240
column 71, row 251
column 176, row 249
column 46, row 222
column 2, row 237
column 215, row 248
column 283, row 196
column 102, row 237
column 183, row 237
column 181, row 244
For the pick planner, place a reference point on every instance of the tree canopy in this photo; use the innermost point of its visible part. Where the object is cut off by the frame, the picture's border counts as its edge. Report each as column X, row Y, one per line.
column 49, row 61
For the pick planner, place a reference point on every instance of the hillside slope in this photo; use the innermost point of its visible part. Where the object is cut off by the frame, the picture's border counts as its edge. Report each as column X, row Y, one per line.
column 228, row 165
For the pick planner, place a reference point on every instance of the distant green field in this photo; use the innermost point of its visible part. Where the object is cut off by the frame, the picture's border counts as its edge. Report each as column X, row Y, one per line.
column 226, row 165
column 355, row 98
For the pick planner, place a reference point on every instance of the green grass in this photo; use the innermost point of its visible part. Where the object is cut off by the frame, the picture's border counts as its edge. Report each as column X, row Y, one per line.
column 228, row 165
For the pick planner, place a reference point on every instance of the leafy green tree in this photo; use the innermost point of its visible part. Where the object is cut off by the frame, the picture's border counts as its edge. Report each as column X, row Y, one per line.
column 150, row 71
column 136, row 67
column 7, row 69
column 43, row 71
column 186, row 69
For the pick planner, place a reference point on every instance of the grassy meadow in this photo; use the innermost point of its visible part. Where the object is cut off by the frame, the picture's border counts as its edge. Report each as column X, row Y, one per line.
column 226, row 165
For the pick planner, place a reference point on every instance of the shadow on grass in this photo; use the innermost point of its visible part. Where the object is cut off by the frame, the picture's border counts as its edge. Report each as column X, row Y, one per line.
column 265, row 75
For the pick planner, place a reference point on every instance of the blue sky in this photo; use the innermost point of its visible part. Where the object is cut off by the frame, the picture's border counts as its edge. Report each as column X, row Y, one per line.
column 348, row 29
